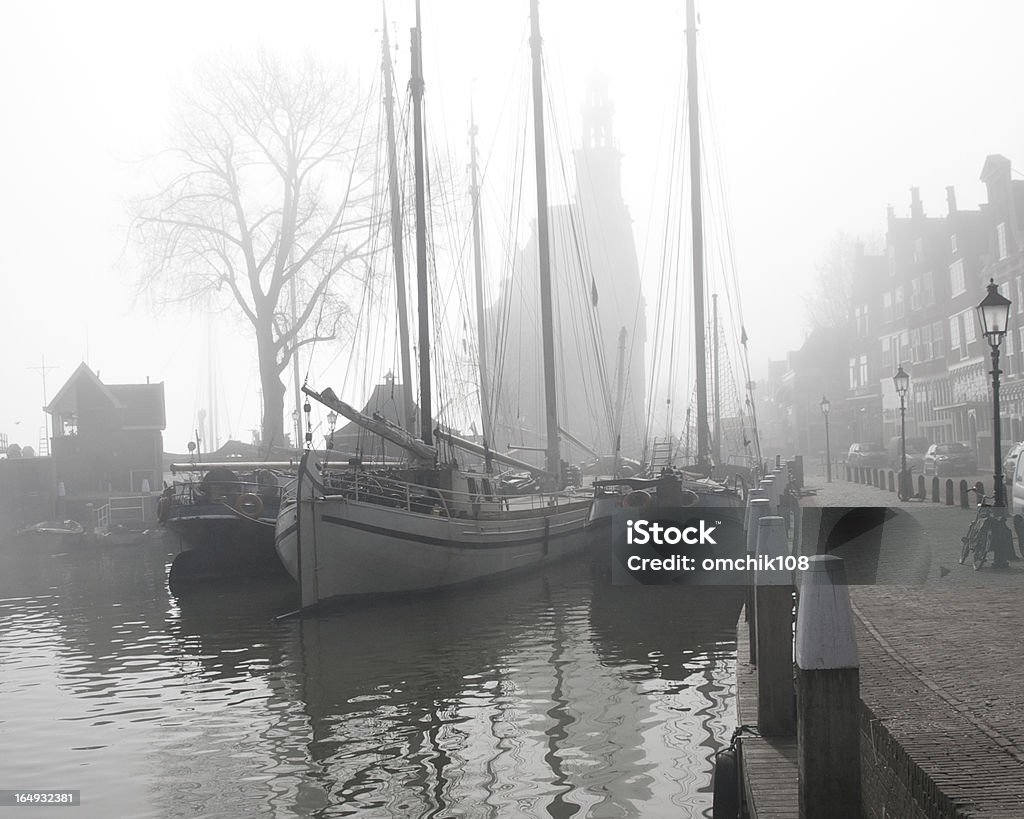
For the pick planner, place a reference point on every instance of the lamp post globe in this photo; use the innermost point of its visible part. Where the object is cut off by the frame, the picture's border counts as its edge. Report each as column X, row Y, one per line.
column 901, row 380
column 825, row 407
column 994, row 314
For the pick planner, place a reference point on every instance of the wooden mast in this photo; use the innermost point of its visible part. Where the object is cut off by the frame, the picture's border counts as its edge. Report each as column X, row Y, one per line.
column 716, row 440
column 697, row 228
column 481, row 330
column 423, row 299
column 552, row 459
column 409, row 416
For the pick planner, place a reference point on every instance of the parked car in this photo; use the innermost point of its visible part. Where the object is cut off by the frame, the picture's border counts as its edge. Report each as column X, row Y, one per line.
column 1010, row 461
column 867, row 455
column 950, row 459
column 916, row 448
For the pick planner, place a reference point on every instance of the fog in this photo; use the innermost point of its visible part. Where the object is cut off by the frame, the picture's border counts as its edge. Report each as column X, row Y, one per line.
column 820, row 114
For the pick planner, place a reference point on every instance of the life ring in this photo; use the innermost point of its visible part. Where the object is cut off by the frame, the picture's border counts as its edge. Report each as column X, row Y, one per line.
column 689, row 498
column 635, row 500
column 249, row 505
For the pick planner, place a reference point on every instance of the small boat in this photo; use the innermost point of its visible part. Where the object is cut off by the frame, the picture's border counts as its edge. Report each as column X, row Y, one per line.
column 69, row 528
column 54, row 534
column 224, row 516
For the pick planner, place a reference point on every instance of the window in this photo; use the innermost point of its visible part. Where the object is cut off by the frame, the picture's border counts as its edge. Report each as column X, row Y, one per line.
column 1020, row 294
column 926, row 343
column 853, row 373
column 887, row 354
column 969, row 333
column 915, row 345
column 915, row 295
column 898, row 302
column 956, row 278
column 861, row 314
column 938, row 347
column 904, row 348
column 886, row 307
column 863, row 370
column 954, row 332
column 1001, row 238
column 952, row 244
column 927, row 290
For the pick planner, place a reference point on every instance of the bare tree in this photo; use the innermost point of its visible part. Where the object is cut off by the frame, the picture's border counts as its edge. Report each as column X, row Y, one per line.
column 267, row 209
column 829, row 301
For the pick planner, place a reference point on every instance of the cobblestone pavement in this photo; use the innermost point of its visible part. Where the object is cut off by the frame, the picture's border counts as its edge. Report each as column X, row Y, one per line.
column 942, row 657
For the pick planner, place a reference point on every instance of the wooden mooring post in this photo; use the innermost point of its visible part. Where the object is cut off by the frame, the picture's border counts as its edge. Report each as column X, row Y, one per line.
column 773, row 620
column 828, row 694
column 757, row 508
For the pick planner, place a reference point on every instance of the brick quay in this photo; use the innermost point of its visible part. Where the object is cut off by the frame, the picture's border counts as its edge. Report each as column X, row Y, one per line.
column 940, row 645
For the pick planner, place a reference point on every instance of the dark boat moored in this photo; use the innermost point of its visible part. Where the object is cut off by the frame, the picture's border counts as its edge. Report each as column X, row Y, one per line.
column 224, row 518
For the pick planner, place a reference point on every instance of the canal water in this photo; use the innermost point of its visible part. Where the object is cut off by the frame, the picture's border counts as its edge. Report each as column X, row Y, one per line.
column 551, row 695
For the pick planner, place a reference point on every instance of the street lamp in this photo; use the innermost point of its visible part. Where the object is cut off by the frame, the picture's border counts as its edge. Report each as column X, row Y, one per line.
column 994, row 312
column 332, row 419
column 902, row 382
column 825, row 407
column 296, row 428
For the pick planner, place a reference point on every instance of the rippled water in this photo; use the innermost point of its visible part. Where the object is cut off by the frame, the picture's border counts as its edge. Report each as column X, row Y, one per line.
column 552, row 695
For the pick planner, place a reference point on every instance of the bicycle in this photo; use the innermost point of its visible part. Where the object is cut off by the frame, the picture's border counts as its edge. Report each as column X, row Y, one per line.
column 979, row 535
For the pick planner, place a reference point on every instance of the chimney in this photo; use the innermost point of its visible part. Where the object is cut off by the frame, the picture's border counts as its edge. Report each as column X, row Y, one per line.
column 916, row 211
column 951, row 199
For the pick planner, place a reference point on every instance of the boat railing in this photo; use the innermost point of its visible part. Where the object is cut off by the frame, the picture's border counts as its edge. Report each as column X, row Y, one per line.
column 389, row 491
column 246, row 493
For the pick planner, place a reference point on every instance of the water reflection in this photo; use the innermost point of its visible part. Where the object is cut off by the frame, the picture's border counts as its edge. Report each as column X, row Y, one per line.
column 553, row 695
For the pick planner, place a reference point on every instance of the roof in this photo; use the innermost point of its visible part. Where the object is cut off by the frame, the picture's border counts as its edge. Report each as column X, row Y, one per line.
column 141, row 406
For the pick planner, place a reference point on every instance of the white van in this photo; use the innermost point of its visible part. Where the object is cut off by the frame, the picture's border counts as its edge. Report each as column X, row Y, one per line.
column 1014, row 466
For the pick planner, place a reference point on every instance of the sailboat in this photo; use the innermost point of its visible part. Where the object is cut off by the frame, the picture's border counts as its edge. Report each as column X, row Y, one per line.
column 699, row 483
column 430, row 524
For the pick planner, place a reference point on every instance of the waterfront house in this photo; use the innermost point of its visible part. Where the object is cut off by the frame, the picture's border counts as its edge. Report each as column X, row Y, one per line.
column 107, row 438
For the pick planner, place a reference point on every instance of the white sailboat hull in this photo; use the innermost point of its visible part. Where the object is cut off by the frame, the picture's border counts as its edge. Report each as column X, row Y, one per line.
column 336, row 546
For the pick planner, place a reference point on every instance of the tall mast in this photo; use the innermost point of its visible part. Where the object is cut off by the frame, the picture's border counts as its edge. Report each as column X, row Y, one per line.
column 422, row 298
column 481, row 334
column 409, row 419
column 716, row 448
column 698, row 235
column 552, row 460
column 620, row 395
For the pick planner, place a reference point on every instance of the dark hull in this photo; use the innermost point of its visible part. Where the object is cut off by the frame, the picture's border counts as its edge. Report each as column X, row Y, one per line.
column 220, row 544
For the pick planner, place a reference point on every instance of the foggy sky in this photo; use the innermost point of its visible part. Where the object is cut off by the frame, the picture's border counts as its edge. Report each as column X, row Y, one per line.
column 823, row 114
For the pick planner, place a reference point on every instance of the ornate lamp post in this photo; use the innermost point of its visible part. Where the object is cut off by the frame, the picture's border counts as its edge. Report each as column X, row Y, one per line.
column 825, row 407
column 297, row 427
column 902, row 382
column 994, row 311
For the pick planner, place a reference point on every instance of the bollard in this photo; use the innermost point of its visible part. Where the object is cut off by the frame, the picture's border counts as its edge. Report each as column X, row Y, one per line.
column 757, row 509
column 921, row 493
column 964, row 502
column 848, row 476
column 935, row 489
column 892, row 481
column 949, row 491
column 828, row 693
column 768, row 485
column 773, row 617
